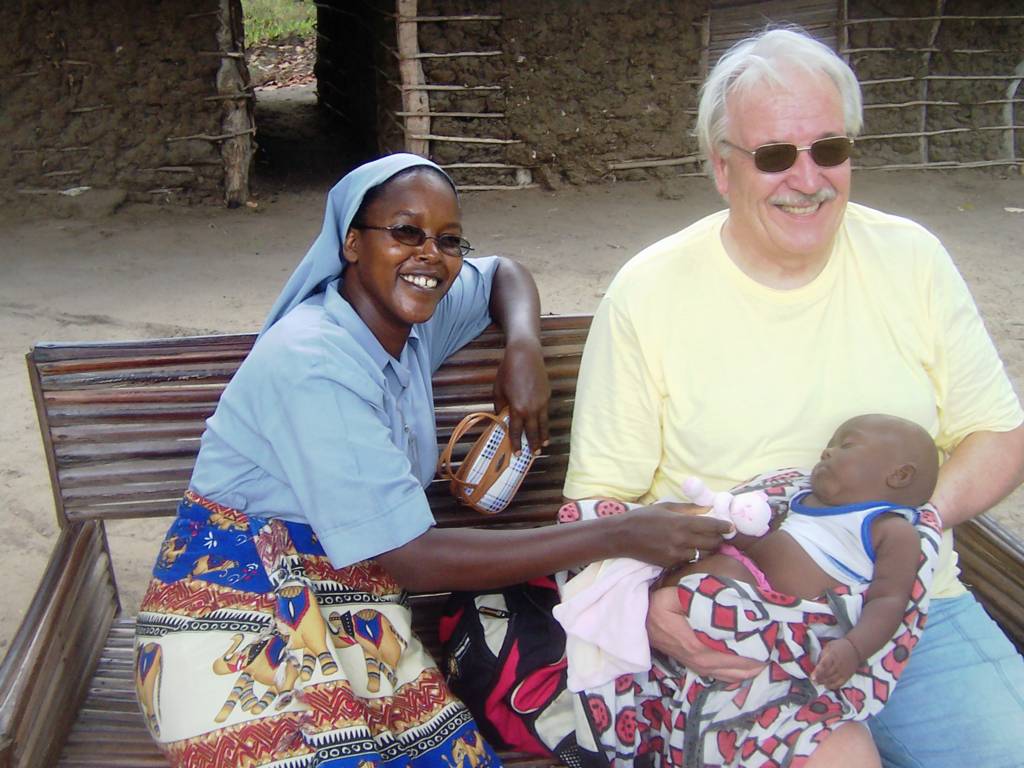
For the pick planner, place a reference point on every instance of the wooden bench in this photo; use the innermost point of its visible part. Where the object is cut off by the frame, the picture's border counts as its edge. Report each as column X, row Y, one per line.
column 121, row 423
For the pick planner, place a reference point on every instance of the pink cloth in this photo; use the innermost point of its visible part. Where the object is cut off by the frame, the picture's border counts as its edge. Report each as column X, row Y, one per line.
column 730, row 551
column 604, row 612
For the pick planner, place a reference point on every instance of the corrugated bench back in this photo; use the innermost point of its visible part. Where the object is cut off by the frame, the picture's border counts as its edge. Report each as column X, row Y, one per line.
column 122, row 421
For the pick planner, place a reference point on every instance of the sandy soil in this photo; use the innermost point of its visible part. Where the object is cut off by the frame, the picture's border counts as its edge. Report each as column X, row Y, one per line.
column 150, row 271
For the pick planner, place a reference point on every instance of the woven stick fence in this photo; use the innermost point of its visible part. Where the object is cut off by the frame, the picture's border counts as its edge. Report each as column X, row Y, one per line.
column 923, row 108
column 878, row 107
column 85, row 88
column 933, row 112
column 475, row 162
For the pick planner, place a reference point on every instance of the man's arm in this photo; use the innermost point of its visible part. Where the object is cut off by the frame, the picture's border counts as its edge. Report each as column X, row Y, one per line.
column 897, row 554
column 982, row 470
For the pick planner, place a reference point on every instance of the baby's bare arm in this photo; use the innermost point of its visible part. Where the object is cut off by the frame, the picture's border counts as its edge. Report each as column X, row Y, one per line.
column 897, row 552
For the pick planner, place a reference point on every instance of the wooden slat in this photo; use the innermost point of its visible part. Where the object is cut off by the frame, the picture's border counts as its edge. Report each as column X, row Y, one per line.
column 50, row 351
column 176, row 359
column 101, row 452
column 101, row 394
column 548, row 470
column 127, row 472
column 213, row 374
column 991, row 560
column 46, row 672
column 126, row 414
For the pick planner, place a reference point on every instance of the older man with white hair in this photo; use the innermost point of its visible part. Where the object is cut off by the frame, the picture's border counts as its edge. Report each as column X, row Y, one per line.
column 737, row 344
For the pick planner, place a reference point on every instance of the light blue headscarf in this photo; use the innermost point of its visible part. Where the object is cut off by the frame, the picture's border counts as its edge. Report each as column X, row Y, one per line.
column 323, row 260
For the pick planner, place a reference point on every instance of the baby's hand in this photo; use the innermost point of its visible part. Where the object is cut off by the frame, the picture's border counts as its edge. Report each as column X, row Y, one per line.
column 838, row 661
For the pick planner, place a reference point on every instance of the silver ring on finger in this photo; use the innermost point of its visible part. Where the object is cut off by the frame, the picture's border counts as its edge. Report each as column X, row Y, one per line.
column 696, row 556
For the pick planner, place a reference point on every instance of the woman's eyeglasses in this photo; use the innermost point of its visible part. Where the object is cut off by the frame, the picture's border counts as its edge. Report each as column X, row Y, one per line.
column 775, row 158
column 409, row 234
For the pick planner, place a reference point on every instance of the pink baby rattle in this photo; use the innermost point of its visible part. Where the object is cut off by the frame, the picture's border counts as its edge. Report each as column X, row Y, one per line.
column 748, row 512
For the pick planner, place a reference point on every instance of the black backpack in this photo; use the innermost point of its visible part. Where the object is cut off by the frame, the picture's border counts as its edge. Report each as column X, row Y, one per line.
column 504, row 656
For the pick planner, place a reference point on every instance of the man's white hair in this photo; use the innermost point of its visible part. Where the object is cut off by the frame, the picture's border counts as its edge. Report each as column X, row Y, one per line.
column 772, row 58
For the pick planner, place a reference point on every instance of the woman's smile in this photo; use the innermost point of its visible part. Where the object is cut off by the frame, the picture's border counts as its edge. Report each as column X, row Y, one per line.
column 421, row 281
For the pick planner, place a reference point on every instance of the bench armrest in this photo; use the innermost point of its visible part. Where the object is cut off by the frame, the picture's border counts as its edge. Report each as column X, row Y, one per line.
column 992, row 565
column 44, row 677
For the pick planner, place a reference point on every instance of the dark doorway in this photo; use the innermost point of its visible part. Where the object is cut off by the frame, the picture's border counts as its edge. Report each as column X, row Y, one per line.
column 315, row 94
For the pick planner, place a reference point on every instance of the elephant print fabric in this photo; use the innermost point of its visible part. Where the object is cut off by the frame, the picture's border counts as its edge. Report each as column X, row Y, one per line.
column 672, row 717
column 251, row 649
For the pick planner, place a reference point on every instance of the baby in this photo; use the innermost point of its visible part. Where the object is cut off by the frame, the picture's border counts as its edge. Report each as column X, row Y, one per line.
column 854, row 526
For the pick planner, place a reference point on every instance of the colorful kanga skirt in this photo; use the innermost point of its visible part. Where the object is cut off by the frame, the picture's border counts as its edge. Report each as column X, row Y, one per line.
column 252, row 650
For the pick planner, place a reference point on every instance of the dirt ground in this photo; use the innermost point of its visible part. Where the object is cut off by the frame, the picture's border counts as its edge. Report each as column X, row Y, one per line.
column 157, row 271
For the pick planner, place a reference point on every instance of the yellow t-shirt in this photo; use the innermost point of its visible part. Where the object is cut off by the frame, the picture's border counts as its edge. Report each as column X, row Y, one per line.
column 692, row 368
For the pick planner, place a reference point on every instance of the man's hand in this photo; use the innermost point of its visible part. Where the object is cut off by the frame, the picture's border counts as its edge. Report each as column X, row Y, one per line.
column 669, row 631
column 839, row 660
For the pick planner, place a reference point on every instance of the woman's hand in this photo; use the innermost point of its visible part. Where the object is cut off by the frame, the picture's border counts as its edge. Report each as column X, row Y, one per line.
column 522, row 385
column 670, row 534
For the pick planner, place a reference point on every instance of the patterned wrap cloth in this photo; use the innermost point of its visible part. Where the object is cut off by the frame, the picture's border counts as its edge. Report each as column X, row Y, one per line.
column 280, row 659
column 671, row 716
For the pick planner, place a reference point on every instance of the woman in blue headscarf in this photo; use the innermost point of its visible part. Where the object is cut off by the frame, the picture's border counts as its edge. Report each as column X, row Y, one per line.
column 274, row 626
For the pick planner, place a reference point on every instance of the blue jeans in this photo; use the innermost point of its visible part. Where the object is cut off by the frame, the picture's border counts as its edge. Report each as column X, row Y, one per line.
column 960, row 700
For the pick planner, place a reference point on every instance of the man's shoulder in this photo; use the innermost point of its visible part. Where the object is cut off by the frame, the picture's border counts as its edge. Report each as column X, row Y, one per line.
column 677, row 253
column 893, row 244
column 862, row 217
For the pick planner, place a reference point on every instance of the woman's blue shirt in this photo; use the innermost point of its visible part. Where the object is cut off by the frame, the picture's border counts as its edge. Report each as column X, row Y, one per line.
column 320, row 425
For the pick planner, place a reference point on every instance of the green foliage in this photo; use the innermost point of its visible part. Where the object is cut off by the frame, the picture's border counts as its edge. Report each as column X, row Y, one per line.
column 272, row 21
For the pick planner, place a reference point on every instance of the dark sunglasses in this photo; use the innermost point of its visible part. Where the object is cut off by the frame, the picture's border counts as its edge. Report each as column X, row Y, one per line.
column 775, row 158
column 409, row 234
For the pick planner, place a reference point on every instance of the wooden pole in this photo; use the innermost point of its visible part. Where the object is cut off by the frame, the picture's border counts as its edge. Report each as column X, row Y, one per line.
column 626, row 165
column 912, row 134
column 1011, row 90
column 705, row 45
column 904, row 19
column 843, row 33
column 464, row 139
column 922, row 89
column 237, row 122
column 415, row 99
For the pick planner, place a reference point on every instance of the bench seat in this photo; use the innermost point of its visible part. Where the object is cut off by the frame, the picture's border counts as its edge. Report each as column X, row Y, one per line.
column 121, row 422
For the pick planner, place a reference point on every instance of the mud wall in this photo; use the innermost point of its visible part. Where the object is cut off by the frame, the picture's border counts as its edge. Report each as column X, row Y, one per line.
column 95, row 94
column 101, row 94
column 962, row 127
column 480, row 91
column 597, row 81
column 587, row 83
column 580, row 83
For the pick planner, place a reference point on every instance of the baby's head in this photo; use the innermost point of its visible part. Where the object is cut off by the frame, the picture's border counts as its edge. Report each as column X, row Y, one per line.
column 877, row 458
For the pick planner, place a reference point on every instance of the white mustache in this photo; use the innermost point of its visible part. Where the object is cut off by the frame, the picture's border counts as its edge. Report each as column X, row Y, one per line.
column 797, row 200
